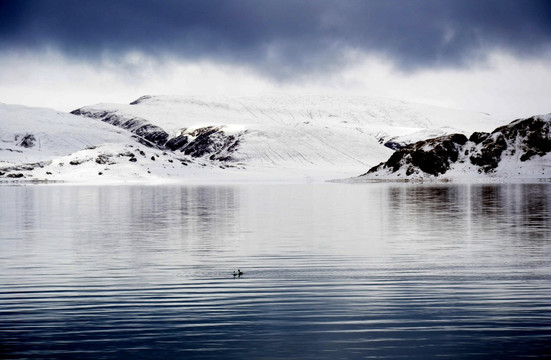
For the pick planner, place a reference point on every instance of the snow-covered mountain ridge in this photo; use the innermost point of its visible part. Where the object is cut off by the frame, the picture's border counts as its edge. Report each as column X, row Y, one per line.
column 518, row 150
column 211, row 141
column 218, row 139
column 314, row 132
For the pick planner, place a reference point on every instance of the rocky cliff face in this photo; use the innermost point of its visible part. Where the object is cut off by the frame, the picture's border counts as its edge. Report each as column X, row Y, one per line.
column 210, row 142
column 516, row 144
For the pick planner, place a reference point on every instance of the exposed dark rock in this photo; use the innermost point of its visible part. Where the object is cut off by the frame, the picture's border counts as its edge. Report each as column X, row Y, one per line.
column 432, row 156
column 489, row 156
column 212, row 141
column 149, row 134
column 26, row 141
column 204, row 141
column 152, row 133
column 478, row 137
column 527, row 137
column 209, row 142
column 177, row 142
column 12, row 150
column 75, row 162
column 104, row 159
column 26, row 167
column 393, row 145
column 15, row 176
column 536, row 135
column 141, row 99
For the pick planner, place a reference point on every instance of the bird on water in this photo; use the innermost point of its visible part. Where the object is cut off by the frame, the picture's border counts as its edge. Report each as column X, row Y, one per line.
column 238, row 273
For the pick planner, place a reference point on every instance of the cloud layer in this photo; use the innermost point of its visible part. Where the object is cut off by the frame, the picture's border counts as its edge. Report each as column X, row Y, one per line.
column 482, row 55
column 284, row 37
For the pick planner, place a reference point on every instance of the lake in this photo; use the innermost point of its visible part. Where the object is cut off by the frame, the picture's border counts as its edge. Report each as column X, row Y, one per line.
column 331, row 271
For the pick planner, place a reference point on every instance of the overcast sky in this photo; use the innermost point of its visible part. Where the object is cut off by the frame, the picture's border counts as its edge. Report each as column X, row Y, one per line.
column 490, row 56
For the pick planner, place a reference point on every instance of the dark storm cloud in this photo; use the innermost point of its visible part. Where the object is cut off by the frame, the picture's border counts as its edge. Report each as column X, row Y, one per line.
column 280, row 36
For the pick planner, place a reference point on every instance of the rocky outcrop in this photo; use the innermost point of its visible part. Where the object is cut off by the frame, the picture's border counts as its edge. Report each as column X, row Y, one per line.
column 26, row 141
column 521, row 141
column 141, row 99
column 150, row 135
column 14, row 171
column 432, row 156
column 487, row 154
column 210, row 142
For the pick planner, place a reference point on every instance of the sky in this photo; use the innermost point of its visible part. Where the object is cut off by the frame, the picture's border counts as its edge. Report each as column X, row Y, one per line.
column 489, row 56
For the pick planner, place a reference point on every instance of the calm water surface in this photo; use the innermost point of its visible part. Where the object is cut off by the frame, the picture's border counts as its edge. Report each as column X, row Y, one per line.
column 331, row 272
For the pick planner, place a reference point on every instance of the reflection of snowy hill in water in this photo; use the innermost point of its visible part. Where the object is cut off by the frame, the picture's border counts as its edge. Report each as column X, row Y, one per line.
column 228, row 139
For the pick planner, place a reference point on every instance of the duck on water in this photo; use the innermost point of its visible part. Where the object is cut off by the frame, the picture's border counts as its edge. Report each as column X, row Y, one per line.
column 238, row 273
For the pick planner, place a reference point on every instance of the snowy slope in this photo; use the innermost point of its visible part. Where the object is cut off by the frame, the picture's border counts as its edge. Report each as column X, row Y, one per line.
column 328, row 136
column 43, row 144
column 38, row 134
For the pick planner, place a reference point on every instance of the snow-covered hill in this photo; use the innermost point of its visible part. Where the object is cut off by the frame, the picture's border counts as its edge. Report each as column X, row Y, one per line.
column 279, row 138
column 43, row 144
column 519, row 150
column 316, row 135
column 38, row 134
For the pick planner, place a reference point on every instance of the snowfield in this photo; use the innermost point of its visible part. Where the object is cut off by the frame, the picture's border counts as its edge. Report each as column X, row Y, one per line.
column 219, row 139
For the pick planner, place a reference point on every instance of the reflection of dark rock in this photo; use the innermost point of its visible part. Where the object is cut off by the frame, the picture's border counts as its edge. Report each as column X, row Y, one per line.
column 27, row 141
column 526, row 138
